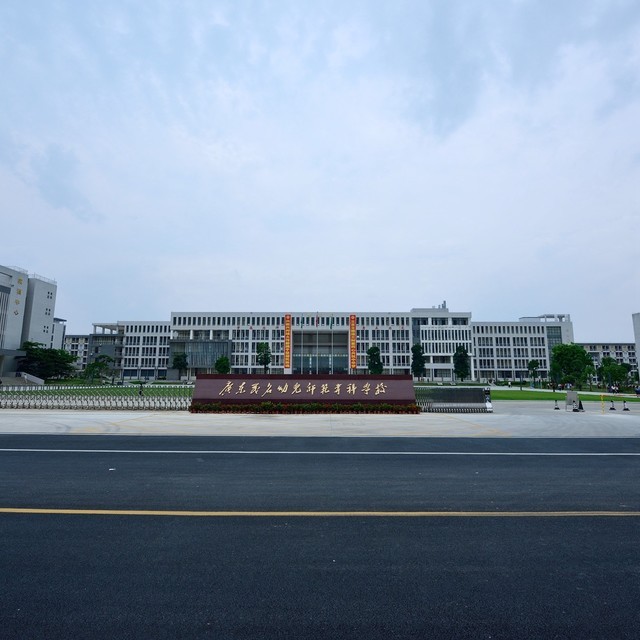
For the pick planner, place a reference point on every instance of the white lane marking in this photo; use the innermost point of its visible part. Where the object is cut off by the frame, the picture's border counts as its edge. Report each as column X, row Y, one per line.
column 325, row 453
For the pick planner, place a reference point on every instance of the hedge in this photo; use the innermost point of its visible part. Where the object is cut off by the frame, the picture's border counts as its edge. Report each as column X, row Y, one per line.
column 310, row 407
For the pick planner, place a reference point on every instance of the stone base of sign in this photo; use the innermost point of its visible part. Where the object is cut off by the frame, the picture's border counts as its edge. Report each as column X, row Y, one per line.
column 303, row 394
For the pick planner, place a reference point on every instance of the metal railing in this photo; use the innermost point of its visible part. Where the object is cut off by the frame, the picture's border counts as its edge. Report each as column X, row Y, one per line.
column 125, row 398
column 453, row 400
column 178, row 398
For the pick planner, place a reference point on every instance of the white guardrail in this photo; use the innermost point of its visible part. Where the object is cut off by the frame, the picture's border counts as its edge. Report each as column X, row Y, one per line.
column 125, row 398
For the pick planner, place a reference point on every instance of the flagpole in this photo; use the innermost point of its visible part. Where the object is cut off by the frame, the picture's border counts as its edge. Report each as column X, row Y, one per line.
column 302, row 348
column 317, row 343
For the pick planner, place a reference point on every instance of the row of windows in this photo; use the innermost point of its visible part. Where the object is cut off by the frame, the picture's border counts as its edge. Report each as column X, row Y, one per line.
column 146, row 351
column 444, row 347
column 321, row 320
column 382, row 334
column 377, row 321
column 145, row 362
column 606, row 347
column 433, row 335
column 147, row 328
column 508, row 329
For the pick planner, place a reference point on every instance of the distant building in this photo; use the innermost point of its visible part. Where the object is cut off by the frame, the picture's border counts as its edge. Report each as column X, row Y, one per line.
column 78, row 347
column 58, row 332
column 139, row 349
column 27, row 306
column 503, row 350
column 331, row 342
column 636, row 332
column 624, row 353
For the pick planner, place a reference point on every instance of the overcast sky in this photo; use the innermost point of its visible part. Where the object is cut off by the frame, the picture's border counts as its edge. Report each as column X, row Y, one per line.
column 373, row 155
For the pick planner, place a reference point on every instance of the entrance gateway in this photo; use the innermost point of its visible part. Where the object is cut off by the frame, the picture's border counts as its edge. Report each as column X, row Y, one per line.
column 312, row 351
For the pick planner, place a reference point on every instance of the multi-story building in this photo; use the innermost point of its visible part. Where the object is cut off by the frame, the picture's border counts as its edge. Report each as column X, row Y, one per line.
column 503, row 350
column 624, row 353
column 636, row 333
column 78, row 347
column 331, row 342
column 139, row 349
column 58, row 332
column 27, row 305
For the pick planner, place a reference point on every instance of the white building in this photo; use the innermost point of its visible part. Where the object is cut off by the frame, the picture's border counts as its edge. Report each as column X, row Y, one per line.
column 78, row 347
column 27, row 305
column 624, row 353
column 331, row 342
column 502, row 350
column 139, row 349
column 636, row 333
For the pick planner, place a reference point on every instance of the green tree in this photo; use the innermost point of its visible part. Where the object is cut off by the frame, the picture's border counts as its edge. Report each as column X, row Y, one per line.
column 48, row 364
column 99, row 368
column 610, row 372
column 417, row 360
column 263, row 357
column 222, row 365
column 461, row 362
column 533, row 366
column 569, row 364
column 374, row 362
column 180, row 362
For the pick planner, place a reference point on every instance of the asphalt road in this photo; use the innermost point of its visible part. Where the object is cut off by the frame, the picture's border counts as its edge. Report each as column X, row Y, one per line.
column 188, row 537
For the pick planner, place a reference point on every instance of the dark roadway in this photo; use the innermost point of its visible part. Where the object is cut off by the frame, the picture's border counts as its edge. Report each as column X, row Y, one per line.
column 458, row 574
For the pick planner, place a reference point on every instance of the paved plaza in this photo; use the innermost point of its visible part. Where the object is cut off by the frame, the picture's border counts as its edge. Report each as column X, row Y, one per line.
column 510, row 419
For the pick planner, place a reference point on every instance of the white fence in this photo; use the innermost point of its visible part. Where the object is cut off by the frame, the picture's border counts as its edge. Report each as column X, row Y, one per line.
column 126, row 398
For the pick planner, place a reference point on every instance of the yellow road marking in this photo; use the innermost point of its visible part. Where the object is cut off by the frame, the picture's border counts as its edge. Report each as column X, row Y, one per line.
column 328, row 514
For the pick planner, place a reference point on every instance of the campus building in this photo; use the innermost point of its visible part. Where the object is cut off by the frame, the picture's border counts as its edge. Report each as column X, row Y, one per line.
column 636, row 332
column 503, row 350
column 78, row 346
column 330, row 342
column 27, row 306
column 624, row 353
column 139, row 349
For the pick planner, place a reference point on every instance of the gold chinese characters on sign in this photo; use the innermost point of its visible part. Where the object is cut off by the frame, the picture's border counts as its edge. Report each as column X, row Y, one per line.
column 352, row 342
column 287, row 341
column 324, row 390
column 290, row 389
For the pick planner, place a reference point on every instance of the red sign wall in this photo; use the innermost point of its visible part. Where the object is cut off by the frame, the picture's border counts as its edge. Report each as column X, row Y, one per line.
column 238, row 388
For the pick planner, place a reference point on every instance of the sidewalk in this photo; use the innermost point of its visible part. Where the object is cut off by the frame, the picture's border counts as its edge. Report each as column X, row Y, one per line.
column 510, row 419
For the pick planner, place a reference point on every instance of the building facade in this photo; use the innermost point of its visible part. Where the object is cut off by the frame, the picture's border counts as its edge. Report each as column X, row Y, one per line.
column 330, row 342
column 27, row 306
column 503, row 350
column 635, row 318
column 139, row 349
column 78, row 346
column 624, row 353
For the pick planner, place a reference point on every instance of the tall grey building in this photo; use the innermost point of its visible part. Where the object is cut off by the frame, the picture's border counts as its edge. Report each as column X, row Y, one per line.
column 27, row 306
column 636, row 331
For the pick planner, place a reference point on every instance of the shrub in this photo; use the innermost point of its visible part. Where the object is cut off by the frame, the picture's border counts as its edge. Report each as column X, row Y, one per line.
column 310, row 407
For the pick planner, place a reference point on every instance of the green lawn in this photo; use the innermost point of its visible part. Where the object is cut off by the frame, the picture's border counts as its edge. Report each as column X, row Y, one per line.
column 530, row 394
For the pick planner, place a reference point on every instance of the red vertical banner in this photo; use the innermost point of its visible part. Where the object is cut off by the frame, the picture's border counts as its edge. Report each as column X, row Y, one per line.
column 352, row 342
column 287, row 341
